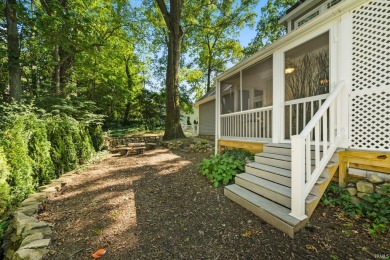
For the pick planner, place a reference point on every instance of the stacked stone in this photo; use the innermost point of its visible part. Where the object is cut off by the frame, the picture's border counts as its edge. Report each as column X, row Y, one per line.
column 27, row 237
column 362, row 188
column 201, row 147
column 115, row 142
column 175, row 145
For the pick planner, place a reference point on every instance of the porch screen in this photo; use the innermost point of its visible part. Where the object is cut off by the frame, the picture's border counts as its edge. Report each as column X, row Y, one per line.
column 257, row 85
column 230, row 95
column 306, row 82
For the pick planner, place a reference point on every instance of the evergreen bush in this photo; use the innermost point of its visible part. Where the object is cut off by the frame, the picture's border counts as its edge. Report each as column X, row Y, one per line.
column 97, row 136
column 5, row 190
column 15, row 145
column 39, row 150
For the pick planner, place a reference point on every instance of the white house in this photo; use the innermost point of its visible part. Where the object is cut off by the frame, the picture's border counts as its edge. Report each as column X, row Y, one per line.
column 321, row 88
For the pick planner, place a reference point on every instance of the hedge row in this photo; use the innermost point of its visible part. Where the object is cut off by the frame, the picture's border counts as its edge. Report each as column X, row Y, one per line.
column 36, row 147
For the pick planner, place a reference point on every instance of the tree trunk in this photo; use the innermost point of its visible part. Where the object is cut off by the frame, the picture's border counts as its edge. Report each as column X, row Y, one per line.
column 208, row 76
column 14, row 71
column 130, row 86
column 66, row 63
column 56, row 72
column 172, row 20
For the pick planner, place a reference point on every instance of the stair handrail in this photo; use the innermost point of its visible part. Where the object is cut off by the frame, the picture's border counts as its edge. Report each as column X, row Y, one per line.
column 303, row 177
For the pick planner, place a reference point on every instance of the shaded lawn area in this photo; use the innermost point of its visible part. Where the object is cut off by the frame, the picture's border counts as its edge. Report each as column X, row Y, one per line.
column 157, row 206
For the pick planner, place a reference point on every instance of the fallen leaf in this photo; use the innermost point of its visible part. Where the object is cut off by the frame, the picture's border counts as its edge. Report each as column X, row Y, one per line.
column 99, row 253
column 311, row 247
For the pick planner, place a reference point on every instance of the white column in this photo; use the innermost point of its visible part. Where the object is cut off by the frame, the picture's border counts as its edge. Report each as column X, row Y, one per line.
column 345, row 72
column 217, row 115
column 240, row 90
column 278, row 97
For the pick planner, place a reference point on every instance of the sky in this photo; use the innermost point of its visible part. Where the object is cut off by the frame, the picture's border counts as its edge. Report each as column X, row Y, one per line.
column 247, row 34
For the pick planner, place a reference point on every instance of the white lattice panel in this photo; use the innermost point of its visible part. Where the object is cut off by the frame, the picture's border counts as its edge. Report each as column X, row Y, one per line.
column 370, row 98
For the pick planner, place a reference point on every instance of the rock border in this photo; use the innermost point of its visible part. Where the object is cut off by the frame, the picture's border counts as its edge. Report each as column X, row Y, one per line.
column 28, row 238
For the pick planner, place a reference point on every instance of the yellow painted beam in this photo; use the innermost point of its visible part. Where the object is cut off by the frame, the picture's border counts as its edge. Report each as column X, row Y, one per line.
column 250, row 147
column 365, row 160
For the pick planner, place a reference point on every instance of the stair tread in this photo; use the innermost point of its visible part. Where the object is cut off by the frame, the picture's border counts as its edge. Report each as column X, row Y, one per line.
column 275, row 156
column 277, row 170
column 271, row 207
column 281, row 145
column 270, row 168
column 288, row 146
column 273, row 186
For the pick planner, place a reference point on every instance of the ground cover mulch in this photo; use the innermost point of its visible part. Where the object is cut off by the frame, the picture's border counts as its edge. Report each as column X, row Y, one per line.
column 157, row 206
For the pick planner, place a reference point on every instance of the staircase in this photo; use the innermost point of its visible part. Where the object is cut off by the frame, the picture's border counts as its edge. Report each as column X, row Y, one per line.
column 265, row 187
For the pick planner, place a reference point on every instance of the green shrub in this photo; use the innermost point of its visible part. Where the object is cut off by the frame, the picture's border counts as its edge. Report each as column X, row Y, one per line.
column 39, row 150
column 85, row 146
column 63, row 150
column 15, row 144
column 5, row 190
column 97, row 136
column 375, row 207
column 222, row 168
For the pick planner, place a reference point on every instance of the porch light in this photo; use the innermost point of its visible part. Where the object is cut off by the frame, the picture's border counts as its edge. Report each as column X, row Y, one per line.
column 289, row 70
column 323, row 81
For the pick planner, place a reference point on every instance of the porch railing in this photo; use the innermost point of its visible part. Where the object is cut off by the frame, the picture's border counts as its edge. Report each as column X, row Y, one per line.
column 299, row 112
column 303, row 175
column 254, row 124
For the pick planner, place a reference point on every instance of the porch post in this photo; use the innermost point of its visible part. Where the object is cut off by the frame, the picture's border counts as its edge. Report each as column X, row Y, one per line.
column 240, row 90
column 278, row 97
column 217, row 115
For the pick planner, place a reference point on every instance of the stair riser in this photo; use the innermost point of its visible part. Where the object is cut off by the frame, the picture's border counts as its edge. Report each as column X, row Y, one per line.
column 267, row 217
column 262, row 191
column 277, row 150
column 287, row 151
column 284, row 151
column 273, row 162
column 286, row 181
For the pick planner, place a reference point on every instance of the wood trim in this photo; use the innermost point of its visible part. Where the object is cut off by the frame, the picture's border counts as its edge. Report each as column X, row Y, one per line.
column 248, row 146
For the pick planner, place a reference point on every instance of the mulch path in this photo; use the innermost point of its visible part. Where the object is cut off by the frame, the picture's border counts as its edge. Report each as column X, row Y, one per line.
column 157, row 206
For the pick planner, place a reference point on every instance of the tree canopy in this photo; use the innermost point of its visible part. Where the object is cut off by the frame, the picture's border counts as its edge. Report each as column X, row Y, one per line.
column 139, row 62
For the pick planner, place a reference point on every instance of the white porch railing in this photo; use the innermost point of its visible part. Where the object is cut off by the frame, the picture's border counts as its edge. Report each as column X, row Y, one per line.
column 254, row 124
column 299, row 112
column 303, row 176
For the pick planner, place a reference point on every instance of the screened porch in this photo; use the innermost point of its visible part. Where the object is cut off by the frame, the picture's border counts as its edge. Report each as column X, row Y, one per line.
column 247, row 98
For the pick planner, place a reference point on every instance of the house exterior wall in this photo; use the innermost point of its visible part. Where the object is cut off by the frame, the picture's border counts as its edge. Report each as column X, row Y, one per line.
column 207, row 118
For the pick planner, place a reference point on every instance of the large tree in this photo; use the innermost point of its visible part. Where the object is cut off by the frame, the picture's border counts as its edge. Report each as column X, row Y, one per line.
column 216, row 28
column 268, row 28
column 14, row 71
column 172, row 19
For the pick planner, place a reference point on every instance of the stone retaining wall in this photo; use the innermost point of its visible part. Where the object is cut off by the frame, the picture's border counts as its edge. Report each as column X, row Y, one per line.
column 114, row 142
column 360, row 188
column 27, row 237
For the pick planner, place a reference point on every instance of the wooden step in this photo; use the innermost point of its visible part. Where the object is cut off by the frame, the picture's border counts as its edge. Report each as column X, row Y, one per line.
column 271, row 173
column 275, row 174
column 278, row 193
column 276, row 160
column 269, row 211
